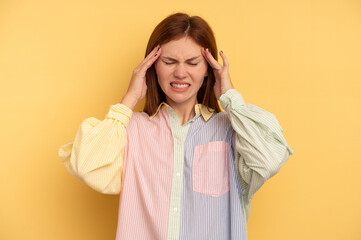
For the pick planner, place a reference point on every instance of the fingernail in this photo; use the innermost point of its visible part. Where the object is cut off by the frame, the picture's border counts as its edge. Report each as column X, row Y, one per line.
column 221, row 51
column 158, row 48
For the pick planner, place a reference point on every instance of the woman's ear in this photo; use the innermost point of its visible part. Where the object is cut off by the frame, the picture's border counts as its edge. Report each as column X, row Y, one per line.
column 206, row 75
column 155, row 69
column 155, row 66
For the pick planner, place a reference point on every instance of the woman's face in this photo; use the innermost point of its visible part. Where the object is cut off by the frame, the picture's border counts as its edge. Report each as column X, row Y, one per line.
column 181, row 69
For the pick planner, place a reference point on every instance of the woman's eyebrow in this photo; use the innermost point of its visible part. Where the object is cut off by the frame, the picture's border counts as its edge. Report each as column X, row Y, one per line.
column 175, row 60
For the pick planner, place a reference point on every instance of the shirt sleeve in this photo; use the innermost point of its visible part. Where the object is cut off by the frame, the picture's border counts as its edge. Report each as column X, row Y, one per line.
column 97, row 153
column 260, row 147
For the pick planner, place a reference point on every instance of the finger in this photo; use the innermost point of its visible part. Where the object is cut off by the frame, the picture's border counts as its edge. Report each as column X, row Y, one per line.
column 149, row 56
column 153, row 52
column 224, row 59
column 206, row 55
column 147, row 64
column 210, row 59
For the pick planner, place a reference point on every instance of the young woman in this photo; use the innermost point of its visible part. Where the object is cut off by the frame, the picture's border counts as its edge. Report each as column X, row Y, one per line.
column 183, row 168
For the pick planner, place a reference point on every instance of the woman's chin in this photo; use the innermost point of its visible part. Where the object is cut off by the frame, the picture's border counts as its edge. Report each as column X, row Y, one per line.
column 181, row 100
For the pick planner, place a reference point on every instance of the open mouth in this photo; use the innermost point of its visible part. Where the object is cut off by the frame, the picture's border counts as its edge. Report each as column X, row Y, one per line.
column 180, row 86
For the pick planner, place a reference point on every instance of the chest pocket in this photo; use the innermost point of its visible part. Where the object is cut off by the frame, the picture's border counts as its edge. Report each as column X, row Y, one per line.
column 210, row 169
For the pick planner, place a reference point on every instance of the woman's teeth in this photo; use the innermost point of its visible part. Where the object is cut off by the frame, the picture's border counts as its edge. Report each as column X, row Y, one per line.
column 179, row 85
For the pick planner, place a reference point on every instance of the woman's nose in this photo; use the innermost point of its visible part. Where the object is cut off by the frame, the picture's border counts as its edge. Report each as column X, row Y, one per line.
column 180, row 71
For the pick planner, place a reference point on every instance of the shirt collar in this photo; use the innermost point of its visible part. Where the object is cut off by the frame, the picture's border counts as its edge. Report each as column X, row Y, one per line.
column 200, row 108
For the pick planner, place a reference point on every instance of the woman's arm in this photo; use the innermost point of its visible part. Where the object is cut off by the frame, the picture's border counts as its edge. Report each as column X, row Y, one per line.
column 260, row 147
column 97, row 153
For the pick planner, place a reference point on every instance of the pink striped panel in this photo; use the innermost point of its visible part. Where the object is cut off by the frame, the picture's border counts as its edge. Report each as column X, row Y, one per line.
column 147, row 178
column 210, row 168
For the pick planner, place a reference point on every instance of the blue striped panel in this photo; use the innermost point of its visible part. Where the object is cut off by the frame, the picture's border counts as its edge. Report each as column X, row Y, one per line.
column 204, row 216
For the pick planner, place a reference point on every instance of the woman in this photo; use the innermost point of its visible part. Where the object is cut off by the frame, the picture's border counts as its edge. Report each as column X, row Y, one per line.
column 184, row 170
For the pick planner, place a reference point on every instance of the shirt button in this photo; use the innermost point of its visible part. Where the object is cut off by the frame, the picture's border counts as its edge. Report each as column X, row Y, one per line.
column 178, row 174
column 175, row 209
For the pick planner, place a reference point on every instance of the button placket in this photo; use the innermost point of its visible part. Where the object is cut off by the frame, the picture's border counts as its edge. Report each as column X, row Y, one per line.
column 179, row 134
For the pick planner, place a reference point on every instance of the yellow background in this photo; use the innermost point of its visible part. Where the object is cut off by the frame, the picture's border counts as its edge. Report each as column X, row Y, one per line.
column 64, row 61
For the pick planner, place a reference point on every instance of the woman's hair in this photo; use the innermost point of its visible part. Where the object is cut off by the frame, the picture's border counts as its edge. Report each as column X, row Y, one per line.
column 171, row 28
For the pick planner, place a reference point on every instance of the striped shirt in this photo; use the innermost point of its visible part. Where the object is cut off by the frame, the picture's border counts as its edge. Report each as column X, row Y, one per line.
column 191, row 181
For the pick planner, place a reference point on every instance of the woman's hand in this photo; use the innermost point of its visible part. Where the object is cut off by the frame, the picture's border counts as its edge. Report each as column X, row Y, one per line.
column 223, row 80
column 137, row 86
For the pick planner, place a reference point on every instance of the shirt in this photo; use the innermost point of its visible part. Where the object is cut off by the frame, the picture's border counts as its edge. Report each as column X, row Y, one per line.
column 191, row 181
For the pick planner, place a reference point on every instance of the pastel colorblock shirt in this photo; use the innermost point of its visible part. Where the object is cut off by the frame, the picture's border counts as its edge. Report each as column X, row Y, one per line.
column 190, row 181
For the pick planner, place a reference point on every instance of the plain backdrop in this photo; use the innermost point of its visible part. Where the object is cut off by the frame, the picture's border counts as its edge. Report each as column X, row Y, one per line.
column 64, row 61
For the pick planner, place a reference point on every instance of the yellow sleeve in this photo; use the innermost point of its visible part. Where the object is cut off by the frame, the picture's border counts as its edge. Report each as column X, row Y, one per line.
column 97, row 153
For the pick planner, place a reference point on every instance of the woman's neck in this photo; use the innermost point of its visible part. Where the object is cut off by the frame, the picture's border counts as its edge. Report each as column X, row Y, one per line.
column 184, row 111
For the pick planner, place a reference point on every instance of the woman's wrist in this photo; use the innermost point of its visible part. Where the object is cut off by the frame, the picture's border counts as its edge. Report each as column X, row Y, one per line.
column 129, row 101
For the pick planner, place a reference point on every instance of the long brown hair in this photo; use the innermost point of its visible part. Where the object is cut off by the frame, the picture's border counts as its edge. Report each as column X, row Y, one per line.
column 173, row 27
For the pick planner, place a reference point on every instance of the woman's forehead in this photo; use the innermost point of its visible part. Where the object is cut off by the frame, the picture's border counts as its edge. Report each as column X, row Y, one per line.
column 184, row 47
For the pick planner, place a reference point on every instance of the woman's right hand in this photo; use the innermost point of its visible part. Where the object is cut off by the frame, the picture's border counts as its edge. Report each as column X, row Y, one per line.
column 137, row 86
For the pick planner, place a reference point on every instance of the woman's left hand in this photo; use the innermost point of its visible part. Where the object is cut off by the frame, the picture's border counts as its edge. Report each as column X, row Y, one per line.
column 223, row 80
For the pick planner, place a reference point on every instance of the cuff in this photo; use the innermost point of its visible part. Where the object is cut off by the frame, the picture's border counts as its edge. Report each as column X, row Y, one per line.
column 120, row 112
column 231, row 100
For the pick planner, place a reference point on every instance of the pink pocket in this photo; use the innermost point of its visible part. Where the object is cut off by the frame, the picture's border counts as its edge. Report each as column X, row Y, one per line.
column 210, row 169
